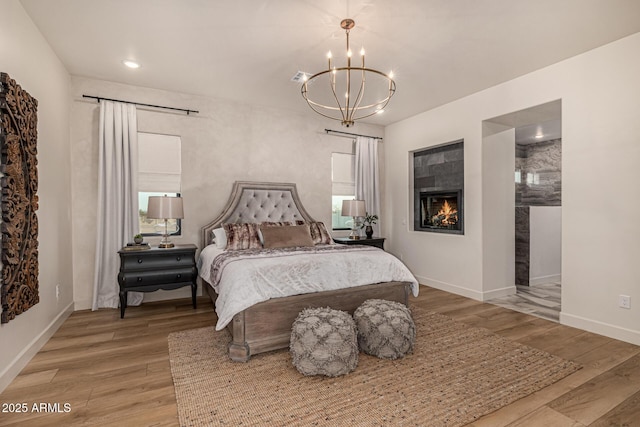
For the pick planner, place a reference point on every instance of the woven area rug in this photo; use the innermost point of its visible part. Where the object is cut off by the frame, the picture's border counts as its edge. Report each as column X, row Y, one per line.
column 455, row 375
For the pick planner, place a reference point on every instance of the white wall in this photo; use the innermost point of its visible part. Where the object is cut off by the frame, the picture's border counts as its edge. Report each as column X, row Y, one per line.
column 498, row 215
column 223, row 143
column 545, row 246
column 600, row 95
column 27, row 58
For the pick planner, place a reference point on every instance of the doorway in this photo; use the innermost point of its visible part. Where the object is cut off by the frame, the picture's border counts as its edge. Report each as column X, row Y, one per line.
column 537, row 205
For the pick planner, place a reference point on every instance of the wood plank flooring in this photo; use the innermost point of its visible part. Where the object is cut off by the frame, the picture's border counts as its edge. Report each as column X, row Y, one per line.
column 115, row 372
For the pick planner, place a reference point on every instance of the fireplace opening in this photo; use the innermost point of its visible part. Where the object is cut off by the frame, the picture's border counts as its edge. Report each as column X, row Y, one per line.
column 441, row 211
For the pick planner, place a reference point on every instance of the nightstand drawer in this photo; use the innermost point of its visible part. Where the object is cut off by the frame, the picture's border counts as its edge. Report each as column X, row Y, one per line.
column 144, row 278
column 144, row 262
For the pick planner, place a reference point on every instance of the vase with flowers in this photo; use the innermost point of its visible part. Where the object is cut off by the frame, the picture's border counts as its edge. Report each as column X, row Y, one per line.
column 369, row 220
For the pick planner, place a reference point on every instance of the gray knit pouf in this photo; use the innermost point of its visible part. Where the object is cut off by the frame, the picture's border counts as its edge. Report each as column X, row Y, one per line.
column 385, row 328
column 324, row 342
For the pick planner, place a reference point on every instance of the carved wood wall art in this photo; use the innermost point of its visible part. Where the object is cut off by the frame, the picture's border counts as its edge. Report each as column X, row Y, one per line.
column 19, row 187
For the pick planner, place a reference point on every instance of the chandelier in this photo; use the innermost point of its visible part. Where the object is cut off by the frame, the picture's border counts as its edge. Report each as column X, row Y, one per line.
column 348, row 93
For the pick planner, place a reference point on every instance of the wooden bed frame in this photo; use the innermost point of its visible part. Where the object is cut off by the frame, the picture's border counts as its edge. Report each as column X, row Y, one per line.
column 266, row 326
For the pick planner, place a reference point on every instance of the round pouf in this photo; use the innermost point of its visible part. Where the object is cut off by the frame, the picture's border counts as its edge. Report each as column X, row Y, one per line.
column 324, row 342
column 385, row 328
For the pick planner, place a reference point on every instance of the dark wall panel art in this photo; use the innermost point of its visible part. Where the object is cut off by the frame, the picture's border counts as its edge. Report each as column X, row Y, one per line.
column 19, row 185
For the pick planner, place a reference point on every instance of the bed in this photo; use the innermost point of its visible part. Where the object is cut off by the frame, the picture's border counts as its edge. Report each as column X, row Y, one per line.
column 260, row 320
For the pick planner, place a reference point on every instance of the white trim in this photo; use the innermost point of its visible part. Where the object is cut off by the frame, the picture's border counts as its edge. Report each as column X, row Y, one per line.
column 543, row 280
column 499, row 293
column 466, row 292
column 601, row 328
column 21, row 360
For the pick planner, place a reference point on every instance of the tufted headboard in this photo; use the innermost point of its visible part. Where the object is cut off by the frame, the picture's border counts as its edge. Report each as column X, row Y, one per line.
column 258, row 202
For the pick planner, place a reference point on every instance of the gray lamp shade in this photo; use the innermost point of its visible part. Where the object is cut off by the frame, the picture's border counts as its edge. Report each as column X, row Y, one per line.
column 165, row 207
column 353, row 208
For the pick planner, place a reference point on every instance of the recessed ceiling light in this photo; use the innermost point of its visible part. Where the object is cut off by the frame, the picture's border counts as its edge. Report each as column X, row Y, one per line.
column 131, row 64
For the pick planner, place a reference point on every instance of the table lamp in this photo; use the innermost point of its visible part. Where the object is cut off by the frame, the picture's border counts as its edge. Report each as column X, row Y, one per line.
column 165, row 207
column 355, row 209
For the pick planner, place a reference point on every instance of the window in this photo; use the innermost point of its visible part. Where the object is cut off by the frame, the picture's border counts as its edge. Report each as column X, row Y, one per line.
column 159, row 173
column 343, row 188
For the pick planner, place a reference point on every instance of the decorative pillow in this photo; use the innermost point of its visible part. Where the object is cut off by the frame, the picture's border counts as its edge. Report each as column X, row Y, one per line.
column 242, row 236
column 220, row 238
column 271, row 224
column 319, row 233
column 286, row 236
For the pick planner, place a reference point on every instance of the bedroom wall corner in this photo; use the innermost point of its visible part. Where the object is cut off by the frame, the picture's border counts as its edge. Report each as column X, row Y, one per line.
column 26, row 56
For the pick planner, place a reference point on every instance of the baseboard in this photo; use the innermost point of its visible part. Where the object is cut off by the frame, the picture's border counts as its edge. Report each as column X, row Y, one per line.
column 21, row 360
column 498, row 293
column 543, row 280
column 466, row 292
column 601, row 328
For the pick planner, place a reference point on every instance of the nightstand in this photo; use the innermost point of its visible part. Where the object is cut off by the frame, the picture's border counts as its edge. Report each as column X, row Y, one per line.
column 157, row 268
column 378, row 242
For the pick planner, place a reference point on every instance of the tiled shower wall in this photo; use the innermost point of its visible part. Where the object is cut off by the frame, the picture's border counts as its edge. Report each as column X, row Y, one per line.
column 539, row 167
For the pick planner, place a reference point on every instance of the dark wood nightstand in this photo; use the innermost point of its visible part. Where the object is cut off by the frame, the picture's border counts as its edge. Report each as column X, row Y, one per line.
column 157, row 268
column 378, row 242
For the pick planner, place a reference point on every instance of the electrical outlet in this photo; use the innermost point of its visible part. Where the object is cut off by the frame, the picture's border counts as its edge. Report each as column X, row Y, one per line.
column 624, row 301
column 58, row 291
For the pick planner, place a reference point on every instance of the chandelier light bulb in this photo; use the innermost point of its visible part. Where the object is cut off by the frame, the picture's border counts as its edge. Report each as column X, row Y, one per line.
column 349, row 53
column 362, row 51
column 390, row 74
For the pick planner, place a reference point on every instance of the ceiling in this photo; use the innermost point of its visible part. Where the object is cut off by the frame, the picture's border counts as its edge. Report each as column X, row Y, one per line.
column 248, row 51
column 532, row 125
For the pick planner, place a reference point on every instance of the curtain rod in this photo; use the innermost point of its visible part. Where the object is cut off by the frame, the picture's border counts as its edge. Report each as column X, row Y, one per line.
column 352, row 134
column 98, row 98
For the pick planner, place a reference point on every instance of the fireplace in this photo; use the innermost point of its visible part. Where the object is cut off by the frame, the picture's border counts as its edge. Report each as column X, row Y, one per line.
column 441, row 211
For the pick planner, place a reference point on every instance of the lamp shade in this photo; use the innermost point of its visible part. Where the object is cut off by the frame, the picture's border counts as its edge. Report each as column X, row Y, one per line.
column 353, row 208
column 165, row 207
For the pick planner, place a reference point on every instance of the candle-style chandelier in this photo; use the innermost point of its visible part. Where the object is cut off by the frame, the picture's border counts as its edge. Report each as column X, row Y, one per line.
column 348, row 93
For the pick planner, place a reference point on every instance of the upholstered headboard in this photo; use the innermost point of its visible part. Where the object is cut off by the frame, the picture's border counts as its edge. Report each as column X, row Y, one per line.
column 258, row 202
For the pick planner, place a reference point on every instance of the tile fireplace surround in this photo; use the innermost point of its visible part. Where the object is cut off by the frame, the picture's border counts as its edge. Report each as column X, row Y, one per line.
column 438, row 175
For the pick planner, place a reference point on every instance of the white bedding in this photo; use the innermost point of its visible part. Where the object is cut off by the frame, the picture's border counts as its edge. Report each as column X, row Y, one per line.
column 245, row 282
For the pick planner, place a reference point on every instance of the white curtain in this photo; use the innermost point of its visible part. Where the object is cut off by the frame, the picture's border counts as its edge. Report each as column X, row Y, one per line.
column 117, row 199
column 367, row 176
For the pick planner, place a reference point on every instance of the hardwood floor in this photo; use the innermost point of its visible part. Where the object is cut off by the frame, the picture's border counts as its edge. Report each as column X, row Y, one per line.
column 114, row 371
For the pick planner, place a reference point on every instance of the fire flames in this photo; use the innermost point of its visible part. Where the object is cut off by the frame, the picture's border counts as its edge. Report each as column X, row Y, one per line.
column 446, row 216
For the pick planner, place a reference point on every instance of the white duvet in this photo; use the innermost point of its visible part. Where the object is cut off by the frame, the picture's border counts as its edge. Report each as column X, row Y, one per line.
column 241, row 283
